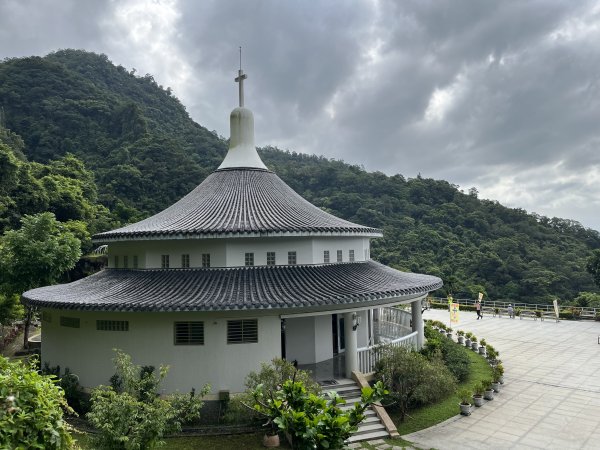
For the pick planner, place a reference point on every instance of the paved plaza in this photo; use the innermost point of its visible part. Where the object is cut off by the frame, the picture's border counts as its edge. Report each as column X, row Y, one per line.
column 551, row 395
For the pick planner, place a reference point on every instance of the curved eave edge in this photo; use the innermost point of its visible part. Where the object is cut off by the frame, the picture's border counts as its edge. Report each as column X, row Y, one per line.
column 353, row 300
column 173, row 235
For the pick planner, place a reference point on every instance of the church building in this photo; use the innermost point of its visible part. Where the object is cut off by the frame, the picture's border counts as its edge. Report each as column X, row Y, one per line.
column 237, row 272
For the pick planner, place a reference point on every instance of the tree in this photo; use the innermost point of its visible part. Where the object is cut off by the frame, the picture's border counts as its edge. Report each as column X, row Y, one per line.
column 36, row 255
column 31, row 409
column 314, row 421
column 593, row 266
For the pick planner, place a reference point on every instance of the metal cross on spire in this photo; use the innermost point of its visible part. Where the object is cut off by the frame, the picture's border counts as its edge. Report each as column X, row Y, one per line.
column 240, row 79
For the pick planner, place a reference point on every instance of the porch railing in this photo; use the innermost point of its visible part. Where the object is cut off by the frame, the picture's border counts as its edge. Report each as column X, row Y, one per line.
column 368, row 356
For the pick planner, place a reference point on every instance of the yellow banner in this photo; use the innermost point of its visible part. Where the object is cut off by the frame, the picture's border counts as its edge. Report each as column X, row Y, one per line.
column 454, row 316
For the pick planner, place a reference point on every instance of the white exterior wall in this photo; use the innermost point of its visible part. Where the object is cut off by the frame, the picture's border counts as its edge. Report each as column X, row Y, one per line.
column 231, row 252
column 362, row 332
column 150, row 252
column 88, row 352
column 309, row 339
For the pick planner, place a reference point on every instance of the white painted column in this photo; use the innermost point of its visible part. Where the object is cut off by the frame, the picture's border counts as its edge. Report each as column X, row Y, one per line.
column 417, row 322
column 350, row 341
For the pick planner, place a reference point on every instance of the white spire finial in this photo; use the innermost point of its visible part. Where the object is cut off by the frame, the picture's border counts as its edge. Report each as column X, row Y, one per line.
column 240, row 79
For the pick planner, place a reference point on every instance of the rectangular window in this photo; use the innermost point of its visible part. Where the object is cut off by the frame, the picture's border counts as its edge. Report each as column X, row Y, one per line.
column 46, row 317
column 205, row 259
column 292, row 258
column 185, row 261
column 249, row 259
column 270, row 258
column 71, row 322
column 351, row 255
column 135, row 262
column 326, row 256
column 116, row 262
column 126, row 262
column 112, row 325
column 164, row 261
column 242, row 331
column 339, row 256
column 189, row 333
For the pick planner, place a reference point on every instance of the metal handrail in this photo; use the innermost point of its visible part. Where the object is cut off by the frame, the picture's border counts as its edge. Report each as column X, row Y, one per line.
column 583, row 310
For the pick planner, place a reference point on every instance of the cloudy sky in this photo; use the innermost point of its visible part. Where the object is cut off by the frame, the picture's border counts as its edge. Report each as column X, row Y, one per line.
column 503, row 96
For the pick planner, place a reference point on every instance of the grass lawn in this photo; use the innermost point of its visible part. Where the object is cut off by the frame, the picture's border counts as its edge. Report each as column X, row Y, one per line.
column 237, row 441
column 430, row 415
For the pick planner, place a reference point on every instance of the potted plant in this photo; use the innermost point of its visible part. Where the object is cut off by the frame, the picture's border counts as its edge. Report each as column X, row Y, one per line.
column 468, row 337
column 449, row 332
column 465, row 405
column 482, row 345
column 518, row 312
column 461, row 336
column 496, row 378
column 478, row 391
column 500, row 369
column 271, row 437
column 474, row 344
column 488, row 392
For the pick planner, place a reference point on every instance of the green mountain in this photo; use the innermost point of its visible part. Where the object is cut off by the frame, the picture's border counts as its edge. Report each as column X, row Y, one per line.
column 142, row 152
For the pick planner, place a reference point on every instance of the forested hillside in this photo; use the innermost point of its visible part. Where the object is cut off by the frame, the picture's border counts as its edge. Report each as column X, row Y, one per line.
column 141, row 152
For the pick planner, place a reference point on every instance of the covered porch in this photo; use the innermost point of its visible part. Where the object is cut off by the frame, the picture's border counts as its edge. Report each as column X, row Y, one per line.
column 333, row 345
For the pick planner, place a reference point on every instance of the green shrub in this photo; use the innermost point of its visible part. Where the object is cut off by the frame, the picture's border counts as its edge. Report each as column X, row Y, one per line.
column 76, row 397
column 31, row 409
column 130, row 415
column 455, row 357
column 412, row 379
column 274, row 374
column 312, row 421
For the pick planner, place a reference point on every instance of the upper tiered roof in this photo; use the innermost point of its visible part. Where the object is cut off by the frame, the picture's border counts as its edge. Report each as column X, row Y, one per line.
column 238, row 202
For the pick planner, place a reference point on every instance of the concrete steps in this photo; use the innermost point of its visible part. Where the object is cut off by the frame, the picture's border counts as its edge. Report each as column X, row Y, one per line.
column 371, row 427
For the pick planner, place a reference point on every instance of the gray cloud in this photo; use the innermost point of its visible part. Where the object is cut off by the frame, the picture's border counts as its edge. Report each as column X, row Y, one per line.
column 503, row 96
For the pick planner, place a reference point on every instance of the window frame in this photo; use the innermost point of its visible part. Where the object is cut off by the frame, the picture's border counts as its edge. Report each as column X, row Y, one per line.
column 271, row 259
column 190, row 335
column 245, row 337
column 340, row 256
column 165, row 261
column 206, row 260
column 185, row 261
column 112, row 325
column 70, row 322
column 292, row 258
column 351, row 255
column 249, row 259
column 326, row 257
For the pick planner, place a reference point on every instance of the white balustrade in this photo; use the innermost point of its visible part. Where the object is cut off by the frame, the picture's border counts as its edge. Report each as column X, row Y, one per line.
column 368, row 356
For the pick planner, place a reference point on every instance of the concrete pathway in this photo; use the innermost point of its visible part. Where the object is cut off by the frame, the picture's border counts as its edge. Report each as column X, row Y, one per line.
column 551, row 395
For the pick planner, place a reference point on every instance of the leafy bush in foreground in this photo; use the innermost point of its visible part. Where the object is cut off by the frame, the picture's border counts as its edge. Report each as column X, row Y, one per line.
column 31, row 409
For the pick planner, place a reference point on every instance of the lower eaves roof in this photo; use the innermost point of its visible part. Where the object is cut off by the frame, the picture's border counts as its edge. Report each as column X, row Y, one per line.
column 234, row 289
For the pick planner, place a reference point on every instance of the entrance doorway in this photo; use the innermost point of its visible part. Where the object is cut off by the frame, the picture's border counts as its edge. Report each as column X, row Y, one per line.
column 337, row 334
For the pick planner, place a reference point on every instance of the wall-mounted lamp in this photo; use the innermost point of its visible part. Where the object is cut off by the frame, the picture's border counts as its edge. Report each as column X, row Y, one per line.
column 355, row 321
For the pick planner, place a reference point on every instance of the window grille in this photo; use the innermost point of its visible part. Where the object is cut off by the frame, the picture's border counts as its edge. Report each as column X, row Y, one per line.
column 164, row 261
column 71, row 322
column 242, row 331
column 135, row 261
column 326, row 256
column 249, row 259
column 292, row 258
column 339, row 256
column 189, row 333
column 205, row 259
column 126, row 262
column 112, row 325
column 351, row 255
column 270, row 258
column 185, row 261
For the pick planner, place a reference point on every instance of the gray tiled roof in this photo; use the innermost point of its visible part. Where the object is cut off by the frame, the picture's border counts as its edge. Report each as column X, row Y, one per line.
column 238, row 201
column 241, row 288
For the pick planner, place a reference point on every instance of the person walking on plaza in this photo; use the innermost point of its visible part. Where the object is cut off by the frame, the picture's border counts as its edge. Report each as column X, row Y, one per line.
column 511, row 311
column 478, row 308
